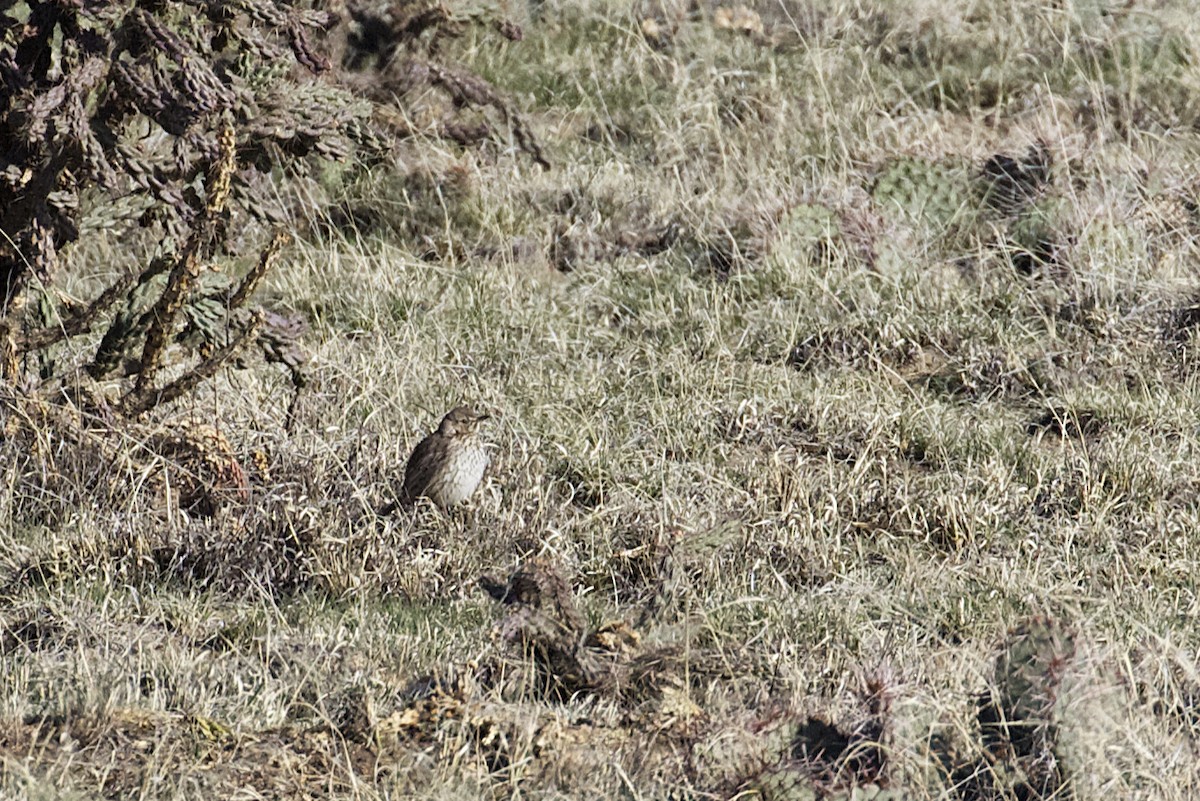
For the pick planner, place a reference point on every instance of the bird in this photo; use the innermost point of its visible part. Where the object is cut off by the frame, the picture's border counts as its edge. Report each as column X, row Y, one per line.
column 447, row 465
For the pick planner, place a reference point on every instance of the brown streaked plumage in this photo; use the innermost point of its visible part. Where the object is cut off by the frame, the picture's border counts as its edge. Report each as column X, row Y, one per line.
column 447, row 465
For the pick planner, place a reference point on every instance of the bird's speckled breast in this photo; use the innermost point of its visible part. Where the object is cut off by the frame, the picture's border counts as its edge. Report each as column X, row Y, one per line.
column 461, row 477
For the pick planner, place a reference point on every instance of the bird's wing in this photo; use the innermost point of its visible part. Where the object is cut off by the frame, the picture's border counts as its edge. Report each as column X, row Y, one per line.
column 418, row 471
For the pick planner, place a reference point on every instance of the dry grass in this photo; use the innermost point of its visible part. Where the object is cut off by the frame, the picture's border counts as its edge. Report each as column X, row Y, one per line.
column 867, row 470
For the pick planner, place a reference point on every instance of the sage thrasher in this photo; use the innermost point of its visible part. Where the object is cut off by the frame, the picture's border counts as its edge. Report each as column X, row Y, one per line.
column 447, row 465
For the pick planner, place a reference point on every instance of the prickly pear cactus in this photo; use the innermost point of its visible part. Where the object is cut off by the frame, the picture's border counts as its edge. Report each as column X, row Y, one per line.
column 810, row 222
column 1017, row 724
column 738, row 759
column 1038, row 222
column 1028, row 677
column 1054, row 716
column 928, row 193
column 785, row 784
column 810, row 231
column 1035, row 239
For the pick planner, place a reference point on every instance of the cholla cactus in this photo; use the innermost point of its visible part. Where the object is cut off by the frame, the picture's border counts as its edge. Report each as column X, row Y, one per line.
column 176, row 115
column 141, row 105
column 88, row 85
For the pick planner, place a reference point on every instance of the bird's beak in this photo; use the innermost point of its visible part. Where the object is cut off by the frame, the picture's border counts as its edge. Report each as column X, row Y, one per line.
column 483, row 416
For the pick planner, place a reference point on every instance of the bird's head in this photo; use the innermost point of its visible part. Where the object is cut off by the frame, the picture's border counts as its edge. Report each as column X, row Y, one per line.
column 461, row 420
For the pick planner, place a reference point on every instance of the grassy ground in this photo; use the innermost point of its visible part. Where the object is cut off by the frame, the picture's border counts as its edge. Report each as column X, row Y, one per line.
column 868, row 465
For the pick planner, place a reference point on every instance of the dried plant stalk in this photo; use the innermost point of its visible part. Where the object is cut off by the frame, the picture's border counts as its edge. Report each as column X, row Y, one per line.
column 187, row 266
column 8, row 353
column 179, row 283
column 124, row 325
column 220, row 175
column 139, row 403
column 253, row 278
